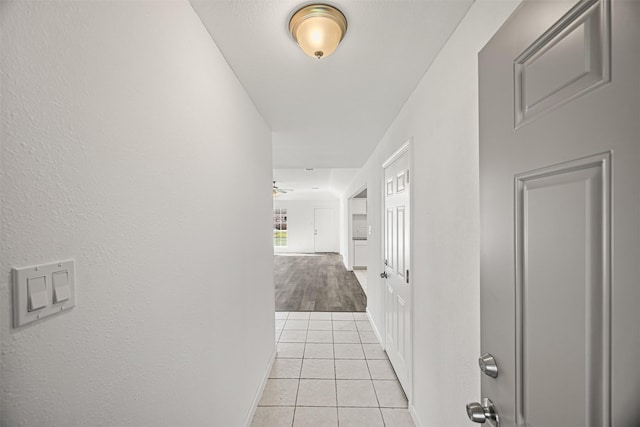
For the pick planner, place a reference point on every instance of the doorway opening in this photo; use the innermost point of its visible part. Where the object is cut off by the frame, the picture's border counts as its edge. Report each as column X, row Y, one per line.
column 358, row 236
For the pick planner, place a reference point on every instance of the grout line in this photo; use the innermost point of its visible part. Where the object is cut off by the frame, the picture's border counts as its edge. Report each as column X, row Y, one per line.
column 384, row 423
column 295, row 404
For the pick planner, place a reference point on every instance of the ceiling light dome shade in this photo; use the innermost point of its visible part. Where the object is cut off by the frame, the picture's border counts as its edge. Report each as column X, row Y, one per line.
column 318, row 29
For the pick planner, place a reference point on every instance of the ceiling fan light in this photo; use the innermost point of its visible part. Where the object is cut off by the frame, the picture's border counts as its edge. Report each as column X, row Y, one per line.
column 318, row 29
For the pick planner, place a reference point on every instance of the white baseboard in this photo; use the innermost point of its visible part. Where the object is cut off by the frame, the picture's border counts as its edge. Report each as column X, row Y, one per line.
column 412, row 411
column 263, row 384
column 375, row 329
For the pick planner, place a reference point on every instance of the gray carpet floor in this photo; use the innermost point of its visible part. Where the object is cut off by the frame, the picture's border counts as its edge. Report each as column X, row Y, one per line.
column 316, row 282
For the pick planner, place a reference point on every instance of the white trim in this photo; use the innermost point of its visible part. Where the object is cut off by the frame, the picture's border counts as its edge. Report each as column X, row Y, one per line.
column 375, row 329
column 414, row 416
column 410, row 176
column 399, row 152
column 263, row 384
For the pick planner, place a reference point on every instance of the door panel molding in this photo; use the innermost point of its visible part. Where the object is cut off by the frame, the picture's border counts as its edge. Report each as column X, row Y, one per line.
column 401, row 309
column 568, row 204
column 401, row 262
column 389, row 249
column 570, row 59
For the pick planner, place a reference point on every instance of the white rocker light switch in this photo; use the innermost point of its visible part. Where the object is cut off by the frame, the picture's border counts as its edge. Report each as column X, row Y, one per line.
column 37, row 288
column 60, row 286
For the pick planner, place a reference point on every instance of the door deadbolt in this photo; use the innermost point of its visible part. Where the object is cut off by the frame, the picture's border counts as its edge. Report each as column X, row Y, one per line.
column 480, row 413
column 488, row 365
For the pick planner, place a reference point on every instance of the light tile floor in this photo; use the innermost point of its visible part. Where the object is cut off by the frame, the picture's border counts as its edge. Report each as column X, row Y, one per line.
column 330, row 371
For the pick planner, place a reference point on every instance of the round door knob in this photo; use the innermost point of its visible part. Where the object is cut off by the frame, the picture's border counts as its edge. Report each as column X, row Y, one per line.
column 475, row 411
column 480, row 413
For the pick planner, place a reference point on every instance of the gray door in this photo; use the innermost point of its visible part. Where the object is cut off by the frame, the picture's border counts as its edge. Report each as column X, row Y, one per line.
column 560, row 215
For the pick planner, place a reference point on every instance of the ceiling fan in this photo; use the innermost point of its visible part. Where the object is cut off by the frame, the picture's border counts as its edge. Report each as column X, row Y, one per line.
column 277, row 190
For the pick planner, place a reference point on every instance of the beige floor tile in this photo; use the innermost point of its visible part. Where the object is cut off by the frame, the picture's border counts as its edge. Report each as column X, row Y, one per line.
column 281, row 314
column 318, row 351
column 364, row 325
column 373, row 351
column 290, row 350
column 344, row 325
column 349, row 351
column 299, row 315
column 279, row 392
column 356, row 393
column 320, row 337
column 320, row 315
column 397, row 417
column 286, row 368
column 360, row 316
column 293, row 336
column 342, row 315
column 352, row 370
column 315, row 417
column 318, row 369
column 368, row 337
column 346, row 337
column 360, row 417
column 316, row 393
column 390, row 394
column 301, row 325
column 320, row 325
column 279, row 323
column 273, row 416
column 381, row 370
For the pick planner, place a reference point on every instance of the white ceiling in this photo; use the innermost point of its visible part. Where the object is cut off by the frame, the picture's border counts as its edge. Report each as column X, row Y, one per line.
column 330, row 183
column 330, row 113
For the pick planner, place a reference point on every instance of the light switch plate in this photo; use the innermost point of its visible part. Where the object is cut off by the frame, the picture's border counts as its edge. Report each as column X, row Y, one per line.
column 59, row 294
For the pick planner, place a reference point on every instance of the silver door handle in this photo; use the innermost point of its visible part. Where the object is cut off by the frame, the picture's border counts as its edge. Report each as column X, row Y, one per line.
column 480, row 413
column 384, row 275
column 488, row 365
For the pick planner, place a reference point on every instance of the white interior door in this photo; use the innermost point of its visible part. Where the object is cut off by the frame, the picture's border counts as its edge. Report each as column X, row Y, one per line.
column 325, row 231
column 560, row 215
column 396, row 253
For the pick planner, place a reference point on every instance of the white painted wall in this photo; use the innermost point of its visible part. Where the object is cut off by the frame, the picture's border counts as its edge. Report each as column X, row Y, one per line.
column 441, row 118
column 300, row 223
column 129, row 145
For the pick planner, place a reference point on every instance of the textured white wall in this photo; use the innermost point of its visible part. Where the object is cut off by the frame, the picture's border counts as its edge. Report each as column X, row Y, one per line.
column 441, row 117
column 129, row 145
column 301, row 223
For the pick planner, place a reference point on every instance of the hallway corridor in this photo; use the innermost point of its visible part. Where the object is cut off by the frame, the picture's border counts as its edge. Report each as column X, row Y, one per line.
column 330, row 371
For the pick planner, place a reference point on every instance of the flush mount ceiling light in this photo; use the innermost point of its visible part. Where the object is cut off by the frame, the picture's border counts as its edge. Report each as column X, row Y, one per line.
column 318, row 29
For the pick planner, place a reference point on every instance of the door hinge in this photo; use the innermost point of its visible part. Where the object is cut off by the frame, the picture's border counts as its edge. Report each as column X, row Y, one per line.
column 407, row 276
column 407, row 175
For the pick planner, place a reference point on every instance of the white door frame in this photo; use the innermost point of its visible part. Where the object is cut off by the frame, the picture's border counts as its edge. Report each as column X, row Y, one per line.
column 350, row 245
column 406, row 147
